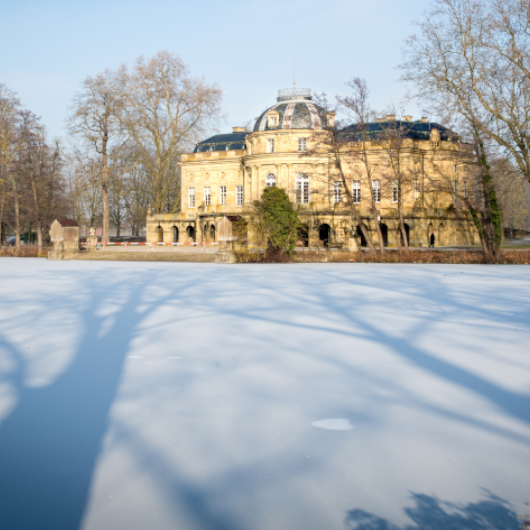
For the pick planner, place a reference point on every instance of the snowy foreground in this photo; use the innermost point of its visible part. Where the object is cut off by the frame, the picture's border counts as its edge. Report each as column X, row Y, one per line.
column 173, row 396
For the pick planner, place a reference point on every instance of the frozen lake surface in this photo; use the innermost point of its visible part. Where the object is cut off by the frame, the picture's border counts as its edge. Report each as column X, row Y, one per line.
column 167, row 396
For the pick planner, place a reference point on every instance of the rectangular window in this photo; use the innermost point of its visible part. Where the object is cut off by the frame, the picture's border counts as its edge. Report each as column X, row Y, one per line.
column 191, row 197
column 239, row 195
column 357, row 192
column 456, row 191
column 376, row 185
column 207, row 196
column 416, row 190
column 337, row 188
column 302, row 191
column 395, row 191
column 222, row 195
column 270, row 145
column 302, row 145
column 465, row 189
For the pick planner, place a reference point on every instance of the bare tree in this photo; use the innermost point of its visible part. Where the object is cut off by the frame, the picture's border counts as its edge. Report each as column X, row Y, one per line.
column 358, row 108
column 32, row 165
column 399, row 171
column 9, row 146
column 336, row 146
column 165, row 112
column 473, row 56
column 83, row 174
column 94, row 115
column 470, row 61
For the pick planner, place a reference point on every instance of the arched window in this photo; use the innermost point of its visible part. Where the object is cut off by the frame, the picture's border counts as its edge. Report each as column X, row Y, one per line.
column 270, row 180
column 302, row 188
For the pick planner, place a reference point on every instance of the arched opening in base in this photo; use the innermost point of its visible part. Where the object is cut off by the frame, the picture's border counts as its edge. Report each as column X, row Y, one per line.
column 160, row 234
column 175, row 234
column 324, row 234
column 360, row 234
column 384, row 233
column 431, row 237
column 190, row 233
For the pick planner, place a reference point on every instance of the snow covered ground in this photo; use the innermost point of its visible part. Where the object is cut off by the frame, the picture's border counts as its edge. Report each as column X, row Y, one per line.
column 259, row 397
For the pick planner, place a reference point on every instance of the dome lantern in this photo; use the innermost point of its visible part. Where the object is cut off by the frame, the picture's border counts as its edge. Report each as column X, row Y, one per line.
column 289, row 94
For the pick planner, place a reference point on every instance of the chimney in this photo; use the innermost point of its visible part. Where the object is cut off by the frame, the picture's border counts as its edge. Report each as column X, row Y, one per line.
column 238, row 129
column 390, row 117
column 407, row 118
column 425, row 119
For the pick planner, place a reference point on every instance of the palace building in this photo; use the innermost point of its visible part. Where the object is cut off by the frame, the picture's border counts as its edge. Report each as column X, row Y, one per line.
column 227, row 172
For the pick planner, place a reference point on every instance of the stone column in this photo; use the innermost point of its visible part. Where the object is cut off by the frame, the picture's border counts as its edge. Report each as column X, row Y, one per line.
column 290, row 183
column 256, row 184
column 247, row 186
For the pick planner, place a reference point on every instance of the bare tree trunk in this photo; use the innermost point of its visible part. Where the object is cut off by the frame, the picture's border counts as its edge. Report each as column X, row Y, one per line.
column 379, row 232
column 491, row 226
column 37, row 208
column 354, row 210
column 403, row 232
column 17, row 215
column 105, row 193
column 373, row 209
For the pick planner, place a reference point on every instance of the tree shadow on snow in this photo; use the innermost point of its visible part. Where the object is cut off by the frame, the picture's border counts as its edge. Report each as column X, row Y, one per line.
column 429, row 513
column 50, row 442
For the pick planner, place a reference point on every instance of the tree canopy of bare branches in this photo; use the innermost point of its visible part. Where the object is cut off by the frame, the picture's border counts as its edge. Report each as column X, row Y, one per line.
column 165, row 111
column 94, row 115
column 470, row 62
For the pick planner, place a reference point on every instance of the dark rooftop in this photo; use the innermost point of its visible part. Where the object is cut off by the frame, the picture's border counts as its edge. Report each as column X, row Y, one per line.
column 416, row 130
column 67, row 222
column 222, row 142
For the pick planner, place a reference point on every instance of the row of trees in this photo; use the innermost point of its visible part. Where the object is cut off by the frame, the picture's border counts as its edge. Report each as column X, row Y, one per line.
column 470, row 68
column 470, row 65
column 32, row 187
column 135, row 122
column 128, row 126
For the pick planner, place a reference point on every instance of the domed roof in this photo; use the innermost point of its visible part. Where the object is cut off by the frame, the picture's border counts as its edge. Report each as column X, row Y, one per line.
column 295, row 111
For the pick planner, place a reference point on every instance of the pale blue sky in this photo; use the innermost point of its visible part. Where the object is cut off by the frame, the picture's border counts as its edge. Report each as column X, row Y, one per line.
column 245, row 46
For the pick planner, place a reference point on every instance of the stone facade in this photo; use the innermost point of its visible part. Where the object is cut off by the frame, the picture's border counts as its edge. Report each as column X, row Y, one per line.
column 226, row 173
